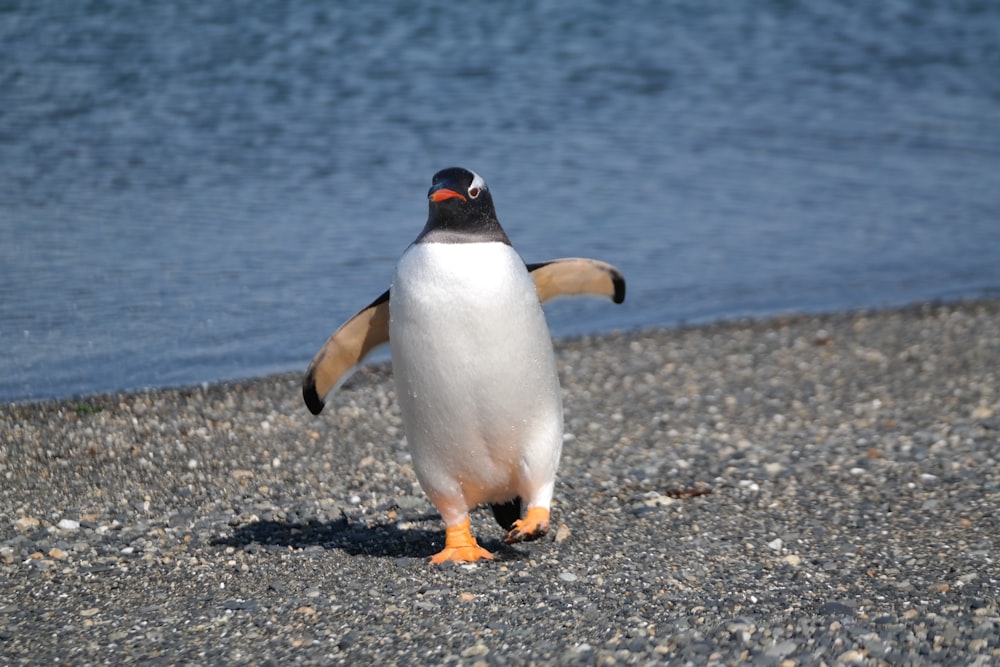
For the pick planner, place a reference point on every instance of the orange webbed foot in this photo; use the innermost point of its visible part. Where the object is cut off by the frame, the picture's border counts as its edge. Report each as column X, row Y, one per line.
column 460, row 546
column 461, row 555
column 534, row 525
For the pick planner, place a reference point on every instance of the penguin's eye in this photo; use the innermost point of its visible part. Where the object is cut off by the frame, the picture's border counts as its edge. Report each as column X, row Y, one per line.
column 474, row 192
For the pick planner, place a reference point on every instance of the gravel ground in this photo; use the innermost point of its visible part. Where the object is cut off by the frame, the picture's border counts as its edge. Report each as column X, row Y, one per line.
column 801, row 490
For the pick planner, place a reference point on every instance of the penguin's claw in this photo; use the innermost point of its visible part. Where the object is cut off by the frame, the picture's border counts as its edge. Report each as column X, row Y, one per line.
column 534, row 525
column 460, row 546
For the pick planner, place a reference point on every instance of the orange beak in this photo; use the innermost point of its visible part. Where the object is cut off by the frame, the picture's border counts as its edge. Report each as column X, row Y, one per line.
column 445, row 193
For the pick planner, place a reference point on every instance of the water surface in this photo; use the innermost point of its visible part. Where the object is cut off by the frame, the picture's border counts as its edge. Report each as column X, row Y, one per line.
column 190, row 194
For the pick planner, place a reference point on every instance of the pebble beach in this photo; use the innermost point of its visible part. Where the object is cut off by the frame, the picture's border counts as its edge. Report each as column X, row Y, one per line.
column 800, row 490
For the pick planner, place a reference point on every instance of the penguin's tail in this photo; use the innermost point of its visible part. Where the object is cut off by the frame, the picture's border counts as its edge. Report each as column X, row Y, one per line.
column 507, row 513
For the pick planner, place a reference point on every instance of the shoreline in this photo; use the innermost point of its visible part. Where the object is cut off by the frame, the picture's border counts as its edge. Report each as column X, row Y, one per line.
column 384, row 366
column 851, row 462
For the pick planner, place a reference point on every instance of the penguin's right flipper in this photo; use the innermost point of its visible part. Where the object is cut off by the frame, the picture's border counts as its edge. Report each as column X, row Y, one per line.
column 576, row 275
column 344, row 350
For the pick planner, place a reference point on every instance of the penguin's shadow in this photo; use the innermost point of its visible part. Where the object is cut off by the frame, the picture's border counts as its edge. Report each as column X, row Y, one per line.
column 386, row 540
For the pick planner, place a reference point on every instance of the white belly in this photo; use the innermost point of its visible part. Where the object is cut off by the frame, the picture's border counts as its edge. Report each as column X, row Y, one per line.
column 475, row 375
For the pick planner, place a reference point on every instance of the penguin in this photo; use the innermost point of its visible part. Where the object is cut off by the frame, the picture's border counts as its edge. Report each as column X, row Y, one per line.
column 473, row 363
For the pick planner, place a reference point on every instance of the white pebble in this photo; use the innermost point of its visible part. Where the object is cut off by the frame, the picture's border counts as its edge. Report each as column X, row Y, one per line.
column 567, row 576
column 193, row 463
column 776, row 544
column 276, row 463
column 773, row 468
column 68, row 524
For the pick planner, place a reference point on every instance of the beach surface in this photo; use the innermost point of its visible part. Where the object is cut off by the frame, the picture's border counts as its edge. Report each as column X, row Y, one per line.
column 791, row 491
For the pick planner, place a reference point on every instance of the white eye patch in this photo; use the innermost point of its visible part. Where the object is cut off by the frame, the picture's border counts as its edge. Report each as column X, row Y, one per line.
column 477, row 185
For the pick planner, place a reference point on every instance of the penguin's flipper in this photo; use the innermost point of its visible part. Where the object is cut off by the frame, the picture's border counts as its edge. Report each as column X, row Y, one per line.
column 576, row 275
column 344, row 350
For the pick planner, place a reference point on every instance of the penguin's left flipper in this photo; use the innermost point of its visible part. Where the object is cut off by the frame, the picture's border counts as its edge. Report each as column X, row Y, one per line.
column 344, row 350
column 576, row 275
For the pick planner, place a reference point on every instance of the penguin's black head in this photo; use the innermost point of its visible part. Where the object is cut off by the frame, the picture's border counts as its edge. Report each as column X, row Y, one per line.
column 457, row 183
column 460, row 210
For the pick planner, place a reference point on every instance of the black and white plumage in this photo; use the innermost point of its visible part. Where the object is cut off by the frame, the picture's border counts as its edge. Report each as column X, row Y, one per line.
column 473, row 362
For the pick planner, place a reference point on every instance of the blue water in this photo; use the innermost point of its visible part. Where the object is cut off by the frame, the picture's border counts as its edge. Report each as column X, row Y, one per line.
column 199, row 192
